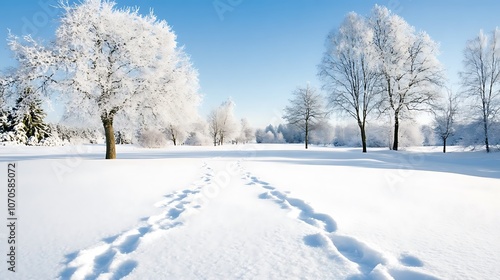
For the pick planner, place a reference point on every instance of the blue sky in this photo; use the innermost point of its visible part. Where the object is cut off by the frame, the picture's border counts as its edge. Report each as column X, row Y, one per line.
column 256, row 51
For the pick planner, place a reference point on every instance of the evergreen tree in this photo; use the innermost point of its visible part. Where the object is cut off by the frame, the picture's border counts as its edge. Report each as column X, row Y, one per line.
column 4, row 125
column 28, row 112
column 3, row 113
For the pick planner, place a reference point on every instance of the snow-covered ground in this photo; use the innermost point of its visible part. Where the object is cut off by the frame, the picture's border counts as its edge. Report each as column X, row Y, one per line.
column 253, row 212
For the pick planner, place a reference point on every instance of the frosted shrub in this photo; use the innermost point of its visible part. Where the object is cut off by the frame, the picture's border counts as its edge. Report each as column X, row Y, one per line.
column 152, row 139
column 197, row 139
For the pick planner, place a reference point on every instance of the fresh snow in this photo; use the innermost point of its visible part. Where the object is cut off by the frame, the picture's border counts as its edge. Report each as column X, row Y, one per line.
column 254, row 212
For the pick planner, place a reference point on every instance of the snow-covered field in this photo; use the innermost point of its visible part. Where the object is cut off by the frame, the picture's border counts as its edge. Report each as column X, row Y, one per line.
column 253, row 212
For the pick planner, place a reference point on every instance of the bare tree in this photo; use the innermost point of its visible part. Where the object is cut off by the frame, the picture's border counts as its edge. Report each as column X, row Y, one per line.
column 411, row 73
column 481, row 77
column 213, row 126
column 349, row 71
column 306, row 109
column 444, row 118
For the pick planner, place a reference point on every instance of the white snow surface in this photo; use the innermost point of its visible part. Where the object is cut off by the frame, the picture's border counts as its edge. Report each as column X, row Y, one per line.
column 253, row 212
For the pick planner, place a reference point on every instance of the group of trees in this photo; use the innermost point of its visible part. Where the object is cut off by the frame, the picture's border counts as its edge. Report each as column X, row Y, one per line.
column 380, row 67
column 224, row 127
column 380, row 64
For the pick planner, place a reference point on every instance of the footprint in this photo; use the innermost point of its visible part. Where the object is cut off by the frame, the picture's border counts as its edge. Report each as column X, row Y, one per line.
column 174, row 213
column 309, row 215
column 409, row 260
column 131, row 242
column 103, row 261
column 124, row 269
column 358, row 252
column 315, row 240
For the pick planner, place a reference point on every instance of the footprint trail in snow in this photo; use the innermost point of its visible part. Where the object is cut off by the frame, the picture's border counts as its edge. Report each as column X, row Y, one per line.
column 111, row 258
column 371, row 263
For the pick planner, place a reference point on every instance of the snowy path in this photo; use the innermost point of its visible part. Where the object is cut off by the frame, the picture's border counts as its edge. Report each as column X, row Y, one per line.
column 230, row 224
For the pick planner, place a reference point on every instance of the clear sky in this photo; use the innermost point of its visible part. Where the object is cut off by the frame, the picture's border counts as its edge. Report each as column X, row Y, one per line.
column 258, row 51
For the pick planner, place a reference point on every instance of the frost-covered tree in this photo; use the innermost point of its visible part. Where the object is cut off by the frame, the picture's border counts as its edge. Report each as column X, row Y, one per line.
column 349, row 71
column 113, row 63
column 306, row 109
column 214, row 125
column 246, row 133
column 444, row 118
column 481, row 78
column 176, row 134
column 411, row 72
column 222, row 123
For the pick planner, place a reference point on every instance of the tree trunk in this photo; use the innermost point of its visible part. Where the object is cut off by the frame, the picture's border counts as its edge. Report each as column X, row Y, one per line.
column 307, row 135
column 110, row 138
column 396, row 132
column 486, row 142
column 444, row 145
column 363, row 136
column 173, row 137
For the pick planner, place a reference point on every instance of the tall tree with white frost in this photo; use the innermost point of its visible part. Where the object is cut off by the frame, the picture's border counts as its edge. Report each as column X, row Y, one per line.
column 349, row 71
column 481, row 77
column 411, row 72
column 114, row 63
column 306, row 109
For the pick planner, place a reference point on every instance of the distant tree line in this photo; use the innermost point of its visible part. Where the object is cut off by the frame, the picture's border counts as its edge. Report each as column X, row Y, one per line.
column 468, row 135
